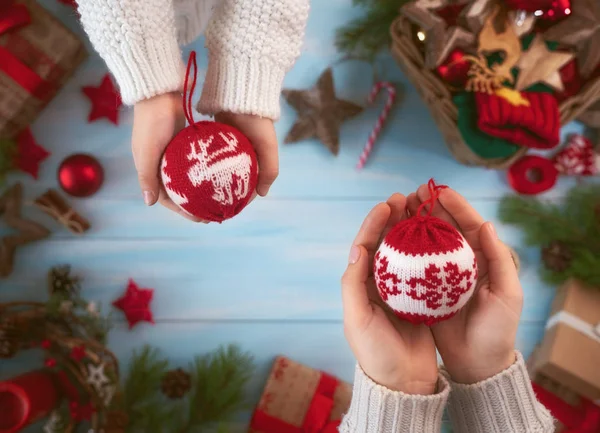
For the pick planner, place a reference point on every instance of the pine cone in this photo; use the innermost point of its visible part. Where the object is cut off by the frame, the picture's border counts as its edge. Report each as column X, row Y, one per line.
column 9, row 339
column 116, row 421
column 557, row 256
column 61, row 280
column 176, row 383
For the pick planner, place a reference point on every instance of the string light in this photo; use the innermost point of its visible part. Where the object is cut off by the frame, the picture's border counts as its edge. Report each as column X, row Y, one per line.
column 421, row 36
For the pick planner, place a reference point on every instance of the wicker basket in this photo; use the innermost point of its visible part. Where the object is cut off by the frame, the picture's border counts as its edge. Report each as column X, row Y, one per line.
column 438, row 98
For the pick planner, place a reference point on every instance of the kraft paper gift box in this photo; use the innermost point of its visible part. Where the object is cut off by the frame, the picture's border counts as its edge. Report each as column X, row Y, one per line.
column 37, row 56
column 298, row 398
column 569, row 354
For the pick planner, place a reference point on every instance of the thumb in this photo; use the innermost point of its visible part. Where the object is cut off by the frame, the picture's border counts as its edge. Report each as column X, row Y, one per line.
column 502, row 270
column 147, row 162
column 357, row 307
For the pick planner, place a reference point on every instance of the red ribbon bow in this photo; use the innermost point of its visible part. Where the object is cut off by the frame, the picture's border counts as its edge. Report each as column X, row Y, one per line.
column 13, row 17
column 582, row 419
column 317, row 416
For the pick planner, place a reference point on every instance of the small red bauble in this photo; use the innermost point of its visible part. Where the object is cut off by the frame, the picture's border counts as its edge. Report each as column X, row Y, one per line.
column 80, row 175
column 550, row 10
column 424, row 269
column 210, row 171
column 455, row 69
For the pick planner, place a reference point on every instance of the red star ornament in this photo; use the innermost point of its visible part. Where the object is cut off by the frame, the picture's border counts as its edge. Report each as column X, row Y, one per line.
column 135, row 303
column 29, row 154
column 106, row 101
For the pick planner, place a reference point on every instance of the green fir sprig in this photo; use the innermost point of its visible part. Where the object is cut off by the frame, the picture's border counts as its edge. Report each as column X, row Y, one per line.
column 574, row 223
column 368, row 34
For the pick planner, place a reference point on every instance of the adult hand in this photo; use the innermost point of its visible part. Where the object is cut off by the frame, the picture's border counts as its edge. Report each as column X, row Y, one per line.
column 261, row 133
column 155, row 122
column 393, row 353
column 479, row 341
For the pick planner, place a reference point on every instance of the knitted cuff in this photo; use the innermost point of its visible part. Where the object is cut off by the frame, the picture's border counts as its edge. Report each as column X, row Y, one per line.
column 146, row 70
column 504, row 403
column 376, row 409
column 247, row 86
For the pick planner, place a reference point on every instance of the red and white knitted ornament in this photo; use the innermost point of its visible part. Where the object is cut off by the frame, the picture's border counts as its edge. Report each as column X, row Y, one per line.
column 424, row 269
column 578, row 158
column 209, row 169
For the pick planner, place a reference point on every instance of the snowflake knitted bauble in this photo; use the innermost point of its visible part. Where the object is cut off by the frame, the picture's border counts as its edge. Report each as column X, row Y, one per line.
column 209, row 169
column 424, row 269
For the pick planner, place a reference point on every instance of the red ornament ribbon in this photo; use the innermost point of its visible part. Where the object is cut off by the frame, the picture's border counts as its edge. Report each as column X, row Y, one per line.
column 14, row 17
column 582, row 419
column 316, row 419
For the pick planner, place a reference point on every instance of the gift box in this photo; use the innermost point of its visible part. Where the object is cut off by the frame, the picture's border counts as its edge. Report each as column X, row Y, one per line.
column 299, row 399
column 37, row 56
column 569, row 354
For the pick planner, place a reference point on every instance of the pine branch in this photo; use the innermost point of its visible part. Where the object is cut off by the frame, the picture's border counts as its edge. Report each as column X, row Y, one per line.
column 370, row 33
column 219, row 385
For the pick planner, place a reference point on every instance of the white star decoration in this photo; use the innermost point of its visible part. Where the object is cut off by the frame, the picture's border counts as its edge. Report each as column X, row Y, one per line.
column 96, row 376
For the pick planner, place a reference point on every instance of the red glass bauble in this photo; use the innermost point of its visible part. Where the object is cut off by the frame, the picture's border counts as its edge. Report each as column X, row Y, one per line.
column 80, row 175
column 550, row 10
column 455, row 69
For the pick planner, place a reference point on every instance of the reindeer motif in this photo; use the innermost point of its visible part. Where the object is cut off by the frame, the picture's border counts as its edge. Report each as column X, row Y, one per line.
column 223, row 173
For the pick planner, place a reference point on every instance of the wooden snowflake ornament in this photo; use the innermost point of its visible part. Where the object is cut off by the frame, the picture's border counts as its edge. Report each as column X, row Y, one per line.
column 425, row 270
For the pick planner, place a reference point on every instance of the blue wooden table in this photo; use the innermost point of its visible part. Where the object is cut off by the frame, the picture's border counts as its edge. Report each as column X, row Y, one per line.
column 268, row 279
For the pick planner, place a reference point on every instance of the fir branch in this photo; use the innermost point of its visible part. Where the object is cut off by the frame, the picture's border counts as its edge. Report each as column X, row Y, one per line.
column 370, row 33
column 8, row 151
column 219, row 384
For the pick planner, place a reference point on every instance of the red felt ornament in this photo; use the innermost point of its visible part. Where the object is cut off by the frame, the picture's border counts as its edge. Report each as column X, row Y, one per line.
column 532, row 175
column 533, row 120
column 455, row 69
column 29, row 153
column 80, row 175
column 572, row 81
column 26, row 399
column 424, row 269
column 135, row 303
column 106, row 101
column 209, row 169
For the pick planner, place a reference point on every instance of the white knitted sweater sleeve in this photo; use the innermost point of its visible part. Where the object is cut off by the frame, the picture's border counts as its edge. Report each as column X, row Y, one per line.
column 138, row 41
column 251, row 45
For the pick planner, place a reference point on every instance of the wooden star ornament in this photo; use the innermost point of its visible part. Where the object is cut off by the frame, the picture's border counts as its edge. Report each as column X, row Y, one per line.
column 27, row 231
column 135, row 303
column 580, row 29
column 320, row 113
column 540, row 65
column 106, row 101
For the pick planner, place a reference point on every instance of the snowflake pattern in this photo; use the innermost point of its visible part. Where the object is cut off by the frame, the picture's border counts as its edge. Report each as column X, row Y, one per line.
column 388, row 282
column 451, row 282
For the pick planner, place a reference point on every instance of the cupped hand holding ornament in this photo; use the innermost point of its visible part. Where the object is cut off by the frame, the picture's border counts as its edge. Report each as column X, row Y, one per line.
column 393, row 353
column 479, row 341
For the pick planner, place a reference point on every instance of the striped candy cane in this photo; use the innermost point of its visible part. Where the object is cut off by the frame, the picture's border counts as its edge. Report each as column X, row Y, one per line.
column 391, row 91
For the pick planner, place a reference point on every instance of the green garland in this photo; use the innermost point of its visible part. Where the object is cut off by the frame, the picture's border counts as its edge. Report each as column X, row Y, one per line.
column 367, row 35
column 574, row 226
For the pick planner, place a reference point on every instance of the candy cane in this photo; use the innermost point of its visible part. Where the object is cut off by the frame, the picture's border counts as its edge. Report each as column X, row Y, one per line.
column 380, row 120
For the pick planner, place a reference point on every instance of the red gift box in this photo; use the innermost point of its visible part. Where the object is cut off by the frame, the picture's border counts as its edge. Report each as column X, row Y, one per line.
column 299, row 399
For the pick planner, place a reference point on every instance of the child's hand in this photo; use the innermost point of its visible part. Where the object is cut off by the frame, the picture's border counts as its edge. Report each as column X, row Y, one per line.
column 395, row 354
column 155, row 122
column 261, row 133
column 479, row 341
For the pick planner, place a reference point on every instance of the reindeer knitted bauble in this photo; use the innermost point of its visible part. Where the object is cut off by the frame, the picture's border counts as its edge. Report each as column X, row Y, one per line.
column 209, row 169
column 424, row 269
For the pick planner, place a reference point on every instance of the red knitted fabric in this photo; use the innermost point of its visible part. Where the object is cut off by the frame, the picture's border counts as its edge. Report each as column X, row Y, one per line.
column 210, row 170
column 425, row 270
column 536, row 126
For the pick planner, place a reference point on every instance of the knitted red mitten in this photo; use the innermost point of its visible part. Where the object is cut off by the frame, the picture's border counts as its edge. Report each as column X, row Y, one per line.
column 532, row 122
column 424, row 269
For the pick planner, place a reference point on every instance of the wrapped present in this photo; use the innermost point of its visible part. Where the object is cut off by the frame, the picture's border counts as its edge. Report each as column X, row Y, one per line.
column 37, row 56
column 299, row 399
column 569, row 354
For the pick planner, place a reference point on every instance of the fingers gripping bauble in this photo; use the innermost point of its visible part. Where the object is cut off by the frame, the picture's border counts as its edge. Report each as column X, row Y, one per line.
column 424, row 269
column 210, row 171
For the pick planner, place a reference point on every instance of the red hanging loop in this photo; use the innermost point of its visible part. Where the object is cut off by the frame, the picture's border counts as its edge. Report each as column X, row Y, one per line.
column 434, row 194
column 188, row 91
